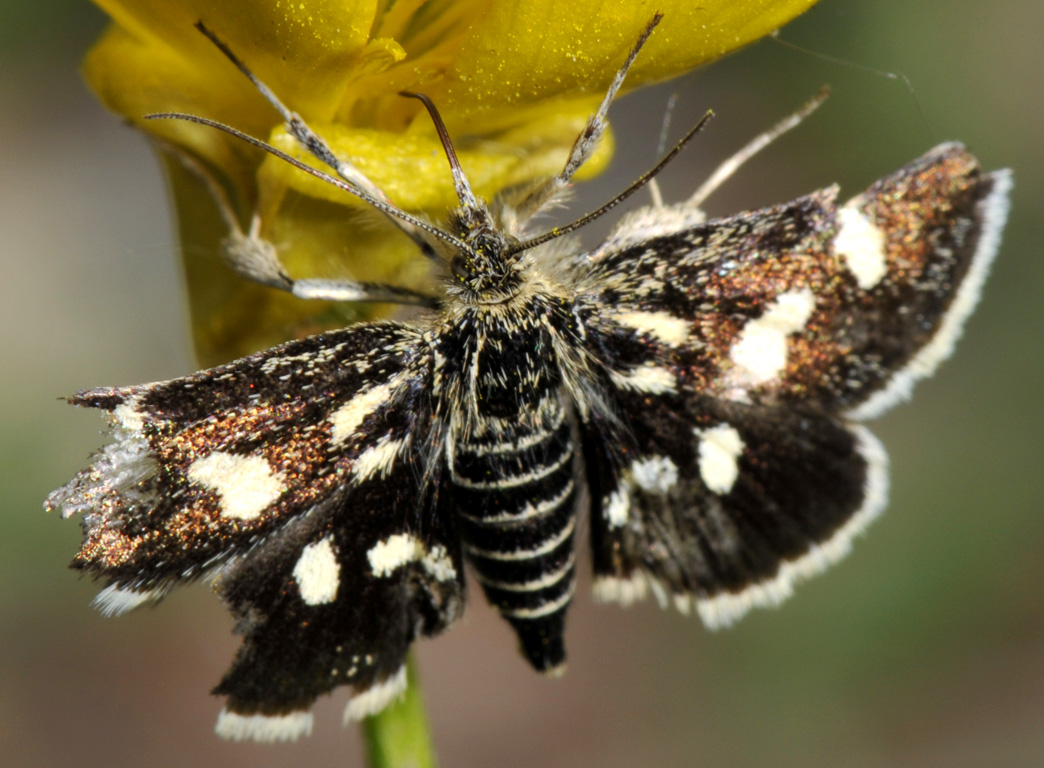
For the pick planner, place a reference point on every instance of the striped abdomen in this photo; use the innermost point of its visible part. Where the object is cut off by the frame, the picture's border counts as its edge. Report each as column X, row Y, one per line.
column 514, row 491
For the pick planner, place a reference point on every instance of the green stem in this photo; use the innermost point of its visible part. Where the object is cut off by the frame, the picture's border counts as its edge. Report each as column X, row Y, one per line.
column 399, row 736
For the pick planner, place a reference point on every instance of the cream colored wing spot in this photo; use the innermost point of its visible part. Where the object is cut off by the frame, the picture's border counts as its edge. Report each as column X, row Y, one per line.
column 245, row 485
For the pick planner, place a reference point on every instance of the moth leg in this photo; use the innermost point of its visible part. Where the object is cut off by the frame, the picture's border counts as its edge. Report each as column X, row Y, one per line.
column 347, row 290
column 309, row 139
column 317, row 146
column 533, row 199
column 247, row 253
column 255, row 258
column 251, row 256
column 724, row 171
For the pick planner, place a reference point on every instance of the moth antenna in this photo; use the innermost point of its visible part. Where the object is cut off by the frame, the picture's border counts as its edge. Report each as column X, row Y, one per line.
column 724, row 171
column 590, row 137
column 661, row 146
column 637, row 184
column 381, row 205
column 460, row 180
column 887, row 75
column 313, row 142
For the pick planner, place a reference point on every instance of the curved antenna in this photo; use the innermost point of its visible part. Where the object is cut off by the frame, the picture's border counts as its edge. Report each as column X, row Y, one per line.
column 464, row 192
column 640, row 182
column 380, row 205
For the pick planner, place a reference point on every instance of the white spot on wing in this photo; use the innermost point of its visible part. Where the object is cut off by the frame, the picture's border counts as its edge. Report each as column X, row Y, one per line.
column 618, row 508
column 347, row 419
column 377, row 459
column 265, row 728
column 246, row 485
column 317, row 573
column 659, row 325
column 862, row 245
column 761, row 350
column 128, row 415
column 376, row 698
column 723, row 610
column 650, row 379
column 404, row 548
column 994, row 214
column 656, row 473
column 719, row 450
column 438, row 563
column 394, row 552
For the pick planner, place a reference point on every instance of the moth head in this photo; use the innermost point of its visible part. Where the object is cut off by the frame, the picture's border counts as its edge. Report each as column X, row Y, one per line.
column 485, row 269
column 484, row 259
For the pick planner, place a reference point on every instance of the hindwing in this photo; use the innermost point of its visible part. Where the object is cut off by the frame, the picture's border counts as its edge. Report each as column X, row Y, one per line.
column 726, row 505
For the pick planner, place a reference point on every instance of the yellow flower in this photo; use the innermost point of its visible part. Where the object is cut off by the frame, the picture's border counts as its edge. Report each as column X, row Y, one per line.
column 515, row 81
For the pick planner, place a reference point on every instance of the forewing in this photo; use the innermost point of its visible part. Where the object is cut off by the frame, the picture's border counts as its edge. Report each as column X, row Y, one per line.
column 295, row 477
column 210, row 465
column 805, row 302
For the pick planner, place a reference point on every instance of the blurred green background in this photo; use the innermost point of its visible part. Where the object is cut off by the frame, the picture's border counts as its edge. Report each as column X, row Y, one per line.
column 924, row 648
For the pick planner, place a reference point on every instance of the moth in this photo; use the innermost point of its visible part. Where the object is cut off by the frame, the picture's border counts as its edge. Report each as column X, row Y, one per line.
column 694, row 388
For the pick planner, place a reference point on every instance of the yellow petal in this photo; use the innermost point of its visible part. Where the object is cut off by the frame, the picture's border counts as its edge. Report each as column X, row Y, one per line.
column 153, row 59
column 533, row 52
column 411, row 168
column 300, row 48
column 515, row 81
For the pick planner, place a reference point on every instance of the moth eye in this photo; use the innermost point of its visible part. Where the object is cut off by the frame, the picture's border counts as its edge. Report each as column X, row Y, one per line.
column 460, row 267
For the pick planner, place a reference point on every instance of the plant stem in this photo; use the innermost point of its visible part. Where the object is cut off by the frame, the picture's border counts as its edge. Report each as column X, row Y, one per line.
column 399, row 735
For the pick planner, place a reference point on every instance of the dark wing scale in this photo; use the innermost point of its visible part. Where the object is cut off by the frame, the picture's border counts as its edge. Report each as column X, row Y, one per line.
column 336, row 599
column 769, row 327
column 943, row 220
column 726, row 505
column 206, row 466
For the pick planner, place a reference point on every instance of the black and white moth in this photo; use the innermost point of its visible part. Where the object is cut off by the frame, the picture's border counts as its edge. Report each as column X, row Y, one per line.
column 698, row 383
